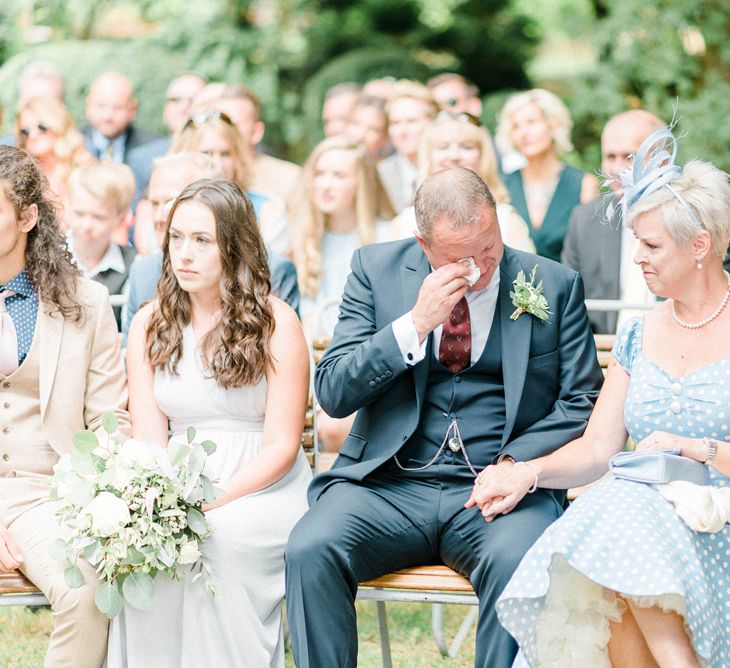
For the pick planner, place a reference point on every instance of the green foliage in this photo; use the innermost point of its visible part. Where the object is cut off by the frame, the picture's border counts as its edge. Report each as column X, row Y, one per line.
column 652, row 55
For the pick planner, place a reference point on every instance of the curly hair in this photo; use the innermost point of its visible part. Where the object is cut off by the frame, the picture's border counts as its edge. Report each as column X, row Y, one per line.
column 237, row 351
column 371, row 204
column 47, row 259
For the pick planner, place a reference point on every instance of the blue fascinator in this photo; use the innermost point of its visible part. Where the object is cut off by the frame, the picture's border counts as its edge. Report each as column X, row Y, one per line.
column 653, row 167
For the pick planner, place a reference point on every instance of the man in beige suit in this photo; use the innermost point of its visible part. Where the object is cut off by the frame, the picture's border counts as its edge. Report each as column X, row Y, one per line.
column 60, row 371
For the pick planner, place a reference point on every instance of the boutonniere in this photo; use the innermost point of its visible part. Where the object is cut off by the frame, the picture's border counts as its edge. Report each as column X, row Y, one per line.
column 528, row 297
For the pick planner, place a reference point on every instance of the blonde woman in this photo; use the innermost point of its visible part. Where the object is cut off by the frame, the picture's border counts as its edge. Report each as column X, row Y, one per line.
column 339, row 206
column 216, row 135
column 45, row 130
column 537, row 124
column 460, row 140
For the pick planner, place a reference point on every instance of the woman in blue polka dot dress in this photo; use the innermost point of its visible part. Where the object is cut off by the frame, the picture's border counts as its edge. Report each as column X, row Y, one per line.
column 621, row 579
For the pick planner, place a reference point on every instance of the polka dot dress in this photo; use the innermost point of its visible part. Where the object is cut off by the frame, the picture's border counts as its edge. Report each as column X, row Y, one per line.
column 625, row 537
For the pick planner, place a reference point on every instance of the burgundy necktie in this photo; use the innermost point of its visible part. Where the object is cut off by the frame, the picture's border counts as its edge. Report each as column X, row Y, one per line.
column 455, row 346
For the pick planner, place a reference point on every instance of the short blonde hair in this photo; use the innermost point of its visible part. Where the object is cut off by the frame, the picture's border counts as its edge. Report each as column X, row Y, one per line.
column 705, row 190
column 471, row 130
column 69, row 147
column 552, row 108
column 412, row 90
column 105, row 181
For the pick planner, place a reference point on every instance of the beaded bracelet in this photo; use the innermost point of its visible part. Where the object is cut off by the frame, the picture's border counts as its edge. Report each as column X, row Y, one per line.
column 537, row 478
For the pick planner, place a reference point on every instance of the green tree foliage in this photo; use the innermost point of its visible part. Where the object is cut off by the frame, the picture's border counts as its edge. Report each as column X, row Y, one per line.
column 657, row 54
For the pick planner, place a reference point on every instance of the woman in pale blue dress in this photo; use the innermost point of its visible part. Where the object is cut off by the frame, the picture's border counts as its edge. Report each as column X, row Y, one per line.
column 217, row 352
column 621, row 579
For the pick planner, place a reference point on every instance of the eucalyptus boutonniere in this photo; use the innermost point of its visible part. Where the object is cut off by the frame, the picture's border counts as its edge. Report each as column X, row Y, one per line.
column 528, row 297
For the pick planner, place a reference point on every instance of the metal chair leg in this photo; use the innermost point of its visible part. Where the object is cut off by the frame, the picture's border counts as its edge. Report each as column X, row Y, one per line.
column 383, row 634
column 437, row 626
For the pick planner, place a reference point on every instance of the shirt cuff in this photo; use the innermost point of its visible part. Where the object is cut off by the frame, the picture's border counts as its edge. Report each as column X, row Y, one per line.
column 407, row 339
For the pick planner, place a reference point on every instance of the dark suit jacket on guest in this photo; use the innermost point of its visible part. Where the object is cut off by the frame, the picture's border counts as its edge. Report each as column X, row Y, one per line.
column 550, row 370
column 592, row 247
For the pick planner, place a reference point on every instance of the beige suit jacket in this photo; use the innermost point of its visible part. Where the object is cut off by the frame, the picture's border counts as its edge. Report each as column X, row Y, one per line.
column 81, row 372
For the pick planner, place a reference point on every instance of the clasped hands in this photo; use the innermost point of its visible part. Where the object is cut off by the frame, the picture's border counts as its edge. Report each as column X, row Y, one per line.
column 499, row 488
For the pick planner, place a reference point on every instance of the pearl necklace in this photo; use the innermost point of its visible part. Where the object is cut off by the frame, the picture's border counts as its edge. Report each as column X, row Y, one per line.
column 709, row 318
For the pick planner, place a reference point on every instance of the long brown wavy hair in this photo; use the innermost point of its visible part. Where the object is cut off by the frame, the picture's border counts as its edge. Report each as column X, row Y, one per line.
column 237, row 351
column 47, row 259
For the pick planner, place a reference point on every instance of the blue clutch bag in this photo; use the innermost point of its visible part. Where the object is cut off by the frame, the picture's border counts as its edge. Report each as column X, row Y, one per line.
column 658, row 467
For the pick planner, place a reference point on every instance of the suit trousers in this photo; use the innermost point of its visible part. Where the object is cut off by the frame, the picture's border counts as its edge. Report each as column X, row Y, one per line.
column 396, row 519
column 79, row 634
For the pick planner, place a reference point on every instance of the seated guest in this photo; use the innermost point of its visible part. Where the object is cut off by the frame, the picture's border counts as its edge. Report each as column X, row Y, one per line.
column 38, row 79
column 170, row 176
column 456, row 94
column 99, row 200
column 602, row 250
column 429, row 359
column 460, row 140
column 45, row 129
column 214, row 133
column 267, row 173
column 179, row 99
column 545, row 191
column 337, row 108
column 340, row 206
column 368, row 124
column 410, row 111
column 217, row 352
column 61, row 371
column 636, row 574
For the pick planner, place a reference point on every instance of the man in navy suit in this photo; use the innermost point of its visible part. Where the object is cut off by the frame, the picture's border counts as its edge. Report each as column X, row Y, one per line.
column 445, row 384
column 170, row 176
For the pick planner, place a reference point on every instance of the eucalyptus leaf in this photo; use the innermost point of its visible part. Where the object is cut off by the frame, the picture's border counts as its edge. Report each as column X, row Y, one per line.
column 109, row 422
column 85, row 441
column 209, row 447
column 196, row 521
column 108, row 599
column 191, row 434
column 82, row 493
column 178, row 452
column 139, row 591
column 58, row 550
column 74, row 577
column 135, row 557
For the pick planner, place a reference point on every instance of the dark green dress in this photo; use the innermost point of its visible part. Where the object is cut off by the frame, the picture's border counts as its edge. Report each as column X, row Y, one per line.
column 548, row 238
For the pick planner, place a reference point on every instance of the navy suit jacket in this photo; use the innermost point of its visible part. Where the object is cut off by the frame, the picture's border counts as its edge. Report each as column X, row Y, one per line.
column 551, row 373
column 146, row 270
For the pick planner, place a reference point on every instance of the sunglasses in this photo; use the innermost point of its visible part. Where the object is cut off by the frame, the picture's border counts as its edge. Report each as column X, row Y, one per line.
column 203, row 117
column 41, row 127
column 462, row 116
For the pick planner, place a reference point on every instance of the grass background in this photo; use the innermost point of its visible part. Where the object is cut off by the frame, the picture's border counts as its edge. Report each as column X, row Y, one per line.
column 24, row 637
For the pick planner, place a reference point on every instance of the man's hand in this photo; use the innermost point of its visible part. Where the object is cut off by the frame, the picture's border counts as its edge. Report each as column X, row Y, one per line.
column 10, row 556
column 498, row 489
column 438, row 295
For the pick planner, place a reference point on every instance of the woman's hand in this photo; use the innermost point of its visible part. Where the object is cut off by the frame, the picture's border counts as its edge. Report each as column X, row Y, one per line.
column 498, row 489
column 694, row 448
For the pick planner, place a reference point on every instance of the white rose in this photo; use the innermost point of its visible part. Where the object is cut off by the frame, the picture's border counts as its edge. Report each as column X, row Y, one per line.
column 108, row 514
column 121, row 476
column 189, row 553
column 134, row 453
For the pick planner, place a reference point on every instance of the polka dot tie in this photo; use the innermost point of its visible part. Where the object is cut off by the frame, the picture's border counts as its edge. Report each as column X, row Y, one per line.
column 8, row 337
column 455, row 346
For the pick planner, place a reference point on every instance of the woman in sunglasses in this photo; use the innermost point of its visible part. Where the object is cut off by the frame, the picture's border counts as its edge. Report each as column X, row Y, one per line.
column 545, row 191
column 215, row 134
column 460, row 140
column 45, row 130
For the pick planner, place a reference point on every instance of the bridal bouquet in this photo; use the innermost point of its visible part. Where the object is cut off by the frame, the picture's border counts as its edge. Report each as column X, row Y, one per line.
column 132, row 510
